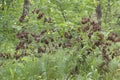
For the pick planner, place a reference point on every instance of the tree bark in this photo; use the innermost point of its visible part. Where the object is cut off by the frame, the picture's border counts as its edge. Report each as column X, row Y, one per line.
column 99, row 12
column 25, row 10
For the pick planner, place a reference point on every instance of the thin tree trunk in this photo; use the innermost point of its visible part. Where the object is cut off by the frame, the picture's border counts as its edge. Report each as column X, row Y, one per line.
column 99, row 12
column 25, row 10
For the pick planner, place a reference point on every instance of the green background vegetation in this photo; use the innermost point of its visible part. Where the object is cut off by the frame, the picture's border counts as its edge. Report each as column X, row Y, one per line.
column 56, row 47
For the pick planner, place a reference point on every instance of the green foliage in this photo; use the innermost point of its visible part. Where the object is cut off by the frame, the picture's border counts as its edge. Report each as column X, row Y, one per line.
column 55, row 42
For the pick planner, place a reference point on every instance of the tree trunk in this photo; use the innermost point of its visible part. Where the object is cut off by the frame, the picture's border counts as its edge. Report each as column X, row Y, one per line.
column 99, row 12
column 25, row 10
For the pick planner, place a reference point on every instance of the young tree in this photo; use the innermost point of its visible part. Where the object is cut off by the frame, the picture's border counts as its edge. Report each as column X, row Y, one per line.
column 25, row 10
column 99, row 12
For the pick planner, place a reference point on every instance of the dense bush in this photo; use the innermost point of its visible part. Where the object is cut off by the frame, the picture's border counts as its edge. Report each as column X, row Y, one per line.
column 59, row 40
